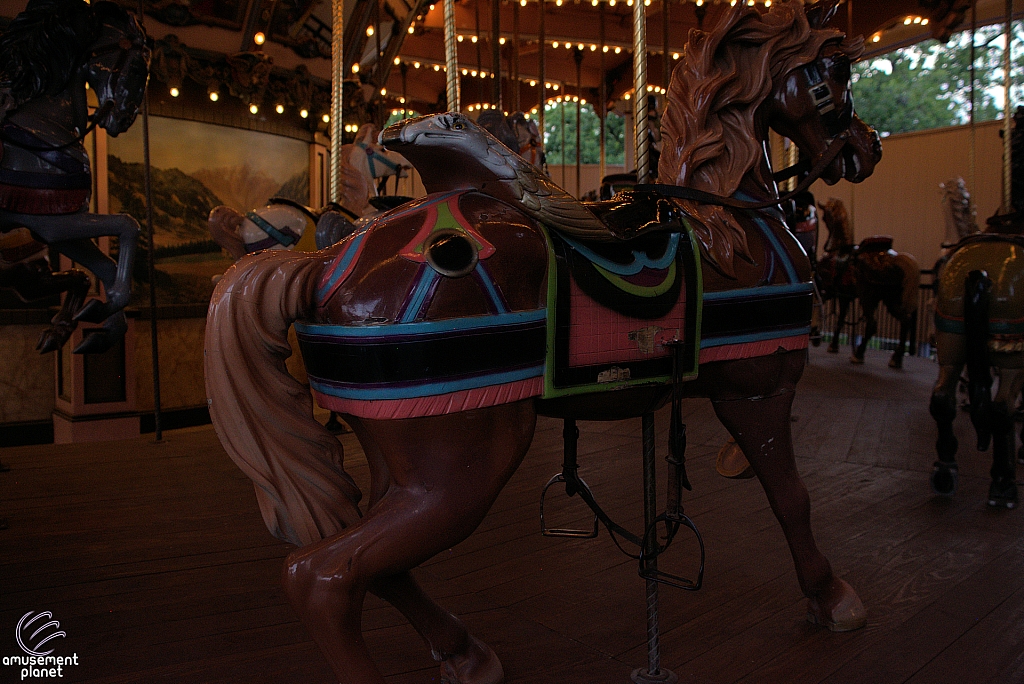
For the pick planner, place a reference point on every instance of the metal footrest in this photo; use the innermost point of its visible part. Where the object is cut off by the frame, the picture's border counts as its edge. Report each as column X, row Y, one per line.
column 563, row 531
column 672, row 522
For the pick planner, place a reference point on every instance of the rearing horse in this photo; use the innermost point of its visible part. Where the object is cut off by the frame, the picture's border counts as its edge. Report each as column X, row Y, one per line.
column 48, row 55
column 444, row 327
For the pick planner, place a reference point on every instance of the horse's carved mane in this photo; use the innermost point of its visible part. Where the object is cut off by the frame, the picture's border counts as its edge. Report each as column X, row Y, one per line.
column 709, row 137
column 840, row 230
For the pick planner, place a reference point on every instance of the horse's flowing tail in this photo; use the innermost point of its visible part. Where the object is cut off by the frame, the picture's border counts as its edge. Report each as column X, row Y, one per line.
column 979, row 379
column 264, row 416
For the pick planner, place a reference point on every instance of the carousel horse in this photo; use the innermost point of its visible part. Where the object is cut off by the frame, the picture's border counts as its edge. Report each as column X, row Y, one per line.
column 960, row 217
column 282, row 224
column 48, row 55
column 978, row 325
column 365, row 168
column 871, row 272
column 517, row 133
column 443, row 328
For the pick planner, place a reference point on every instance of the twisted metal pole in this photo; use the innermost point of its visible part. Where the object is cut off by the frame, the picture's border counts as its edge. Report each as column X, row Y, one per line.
column 451, row 58
column 640, row 124
column 542, row 97
column 337, row 94
column 1007, row 112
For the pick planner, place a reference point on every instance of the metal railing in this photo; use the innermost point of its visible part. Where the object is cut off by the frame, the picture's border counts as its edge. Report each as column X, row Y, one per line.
column 922, row 336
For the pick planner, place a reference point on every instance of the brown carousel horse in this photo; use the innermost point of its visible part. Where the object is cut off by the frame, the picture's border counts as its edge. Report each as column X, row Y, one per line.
column 444, row 327
column 871, row 272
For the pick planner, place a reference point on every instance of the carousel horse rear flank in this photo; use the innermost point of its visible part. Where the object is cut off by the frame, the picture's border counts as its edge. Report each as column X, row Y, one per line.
column 442, row 328
column 48, row 55
column 871, row 272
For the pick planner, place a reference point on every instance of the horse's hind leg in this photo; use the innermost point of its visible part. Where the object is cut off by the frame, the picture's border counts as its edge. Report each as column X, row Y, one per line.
column 870, row 307
column 753, row 399
column 443, row 474
column 943, row 410
column 34, row 280
column 1003, row 491
column 844, row 306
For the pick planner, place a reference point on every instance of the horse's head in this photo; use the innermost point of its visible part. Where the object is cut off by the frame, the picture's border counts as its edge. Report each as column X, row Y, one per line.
column 959, row 213
column 279, row 225
column 837, row 221
column 118, row 67
column 813, row 106
column 450, row 149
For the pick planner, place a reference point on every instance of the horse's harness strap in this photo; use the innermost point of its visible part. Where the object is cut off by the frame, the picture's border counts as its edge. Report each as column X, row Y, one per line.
column 372, row 157
column 680, row 192
column 284, row 236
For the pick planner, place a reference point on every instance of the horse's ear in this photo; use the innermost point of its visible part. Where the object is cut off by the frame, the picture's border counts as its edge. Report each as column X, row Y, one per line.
column 820, row 13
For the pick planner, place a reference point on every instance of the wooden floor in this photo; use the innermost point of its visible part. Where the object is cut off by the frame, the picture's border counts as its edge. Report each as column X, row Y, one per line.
column 155, row 560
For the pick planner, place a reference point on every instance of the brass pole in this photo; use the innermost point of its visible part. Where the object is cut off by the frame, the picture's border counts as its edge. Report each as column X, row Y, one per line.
column 451, row 58
column 1007, row 110
column 514, row 77
column 578, row 56
column 540, row 69
column 337, row 85
column 603, row 91
column 640, row 123
column 496, row 54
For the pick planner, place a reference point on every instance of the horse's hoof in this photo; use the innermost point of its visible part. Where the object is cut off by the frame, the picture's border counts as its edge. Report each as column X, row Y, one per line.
column 856, row 359
column 944, row 478
column 96, row 343
column 731, row 462
column 94, row 311
column 840, row 611
column 335, row 426
column 476, row 665
column 53, row 338
column 1003, row 493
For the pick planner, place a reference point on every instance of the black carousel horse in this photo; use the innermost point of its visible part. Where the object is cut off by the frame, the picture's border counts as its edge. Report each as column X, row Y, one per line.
column 49, row 55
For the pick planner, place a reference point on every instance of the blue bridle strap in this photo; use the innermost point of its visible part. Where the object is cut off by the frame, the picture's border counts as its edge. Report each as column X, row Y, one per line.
column 285, row 237
column 372, row 156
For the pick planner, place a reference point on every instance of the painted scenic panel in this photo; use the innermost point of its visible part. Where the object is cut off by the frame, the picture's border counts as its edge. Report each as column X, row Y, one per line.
column 195, row 167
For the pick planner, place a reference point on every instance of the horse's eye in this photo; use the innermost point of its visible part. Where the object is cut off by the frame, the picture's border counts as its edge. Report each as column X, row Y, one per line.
column 458, row 125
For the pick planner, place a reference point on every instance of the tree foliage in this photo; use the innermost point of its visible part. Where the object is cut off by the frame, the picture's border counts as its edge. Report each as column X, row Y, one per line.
column 928, row 85
column 561, row 149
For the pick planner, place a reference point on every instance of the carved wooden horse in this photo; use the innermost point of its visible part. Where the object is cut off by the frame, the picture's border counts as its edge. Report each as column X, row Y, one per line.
column 444, row 327
column 363, row 162
column 282, row 224
column 47, row 56
column 870, row 272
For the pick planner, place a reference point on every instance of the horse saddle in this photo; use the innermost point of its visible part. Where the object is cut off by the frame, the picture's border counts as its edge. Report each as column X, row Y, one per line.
column 633, row 214
column 875, row 243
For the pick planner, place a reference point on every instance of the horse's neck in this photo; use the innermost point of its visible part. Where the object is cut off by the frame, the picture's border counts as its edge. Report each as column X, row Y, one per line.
column 58, row 119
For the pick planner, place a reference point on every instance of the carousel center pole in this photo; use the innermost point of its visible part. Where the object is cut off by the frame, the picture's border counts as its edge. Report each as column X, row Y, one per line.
column 451, row 58
column 1007, row 111
column 337, row 89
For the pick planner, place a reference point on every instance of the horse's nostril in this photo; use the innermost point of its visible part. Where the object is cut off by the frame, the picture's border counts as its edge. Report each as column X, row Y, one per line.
column 452, row 254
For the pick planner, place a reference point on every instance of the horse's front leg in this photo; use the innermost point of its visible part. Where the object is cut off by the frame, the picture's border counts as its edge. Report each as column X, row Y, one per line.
column 907, row 321
column 753, row 399
column 943, row 409
column 72, row 236
column 844, row 305
column 443, row 474
column 870, row 307
column 1003, row 491
column 34, row 280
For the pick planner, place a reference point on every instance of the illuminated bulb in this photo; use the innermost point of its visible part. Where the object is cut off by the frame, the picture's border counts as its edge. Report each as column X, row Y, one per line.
column 604, row 49
column 501, row 41
column 383, row 92
column 593, row 2
column 767, row 3
column 906, row 22
column 554, row 86
column 750, row 3
column 253, row 109
column 304, row 113
column 412, row 28
column 732, row 4
column 415, row 65
column 924, row 22
column 558, row 3
column 558, row 99
column 917, row 20
column 401, row 100
column 650, row 88
column 465, row 72
column 469, row 108
column 647, row 3
column 583, row 102
column 472, row 73
column 369, row 31
column 326, row 118
column 611, row 3
column 875, row 38
column 472, row 39
column 533, row 84
column 174, row 92
column 398, row 60
column 522, row 3
column 554, row 43
column 437, row 67
column 546, row 84
column 279, row 109
column 617, row 49
column 626, row 96
column 214, row 96
column 458, row 38
column 700, row 3
column 259, row 38
column 355, row 68
column 579, row 46
column 431, row 8
column 394, row 112
column 629, row 3
column 675, row 55
column 575, row 98
column 592, row 47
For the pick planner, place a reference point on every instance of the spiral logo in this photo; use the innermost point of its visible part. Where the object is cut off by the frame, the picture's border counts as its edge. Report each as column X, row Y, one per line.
column 35, row 630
